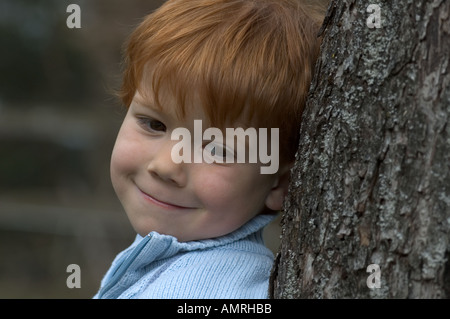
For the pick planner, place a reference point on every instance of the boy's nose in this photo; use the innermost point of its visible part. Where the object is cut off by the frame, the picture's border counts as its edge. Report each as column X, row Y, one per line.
column 162, row 167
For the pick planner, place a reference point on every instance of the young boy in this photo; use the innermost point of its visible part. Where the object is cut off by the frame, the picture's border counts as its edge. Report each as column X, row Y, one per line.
column 224, row 64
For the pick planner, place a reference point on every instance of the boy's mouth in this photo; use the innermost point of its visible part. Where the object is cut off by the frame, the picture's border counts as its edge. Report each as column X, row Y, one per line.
column 160, row 203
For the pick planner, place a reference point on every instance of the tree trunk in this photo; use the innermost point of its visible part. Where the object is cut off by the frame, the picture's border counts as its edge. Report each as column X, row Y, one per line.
column 371, row 183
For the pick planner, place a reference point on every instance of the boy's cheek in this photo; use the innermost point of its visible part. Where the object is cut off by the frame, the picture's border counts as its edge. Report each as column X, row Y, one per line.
column 118, row 168
column 222, row 197
column 122, row 166
column 125, row 152
column 121, row 161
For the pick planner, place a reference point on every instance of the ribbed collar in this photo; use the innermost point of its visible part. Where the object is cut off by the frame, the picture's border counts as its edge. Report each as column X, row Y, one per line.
column 155, row 246
column 250, row 227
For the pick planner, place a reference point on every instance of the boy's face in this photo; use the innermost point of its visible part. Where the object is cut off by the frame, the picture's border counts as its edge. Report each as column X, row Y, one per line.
column 190, row 201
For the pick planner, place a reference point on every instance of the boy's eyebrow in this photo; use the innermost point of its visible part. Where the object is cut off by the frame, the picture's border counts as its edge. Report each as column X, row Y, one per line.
column 145, row 102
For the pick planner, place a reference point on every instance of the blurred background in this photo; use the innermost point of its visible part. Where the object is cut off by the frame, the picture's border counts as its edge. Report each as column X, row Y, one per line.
column 58, row 122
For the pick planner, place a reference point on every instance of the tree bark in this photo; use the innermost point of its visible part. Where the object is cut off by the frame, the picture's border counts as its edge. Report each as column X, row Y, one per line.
column 371, row 183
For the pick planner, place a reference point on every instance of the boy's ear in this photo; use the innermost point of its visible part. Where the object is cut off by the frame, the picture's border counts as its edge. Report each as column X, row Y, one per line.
column 274, row 200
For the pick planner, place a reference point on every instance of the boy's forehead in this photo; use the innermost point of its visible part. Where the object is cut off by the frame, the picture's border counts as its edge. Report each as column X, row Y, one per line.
column 191, row 107
column 139, row 98
column 167, row 103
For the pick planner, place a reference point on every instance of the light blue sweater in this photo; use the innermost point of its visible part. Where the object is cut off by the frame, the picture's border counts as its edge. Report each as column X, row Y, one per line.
column 236, row 265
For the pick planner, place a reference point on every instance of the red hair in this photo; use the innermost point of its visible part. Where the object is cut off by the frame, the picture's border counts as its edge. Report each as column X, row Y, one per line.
column 251, row 58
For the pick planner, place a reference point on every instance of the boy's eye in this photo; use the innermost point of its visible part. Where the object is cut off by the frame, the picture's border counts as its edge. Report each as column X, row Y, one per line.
column 218, row 153
column 151, row 125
